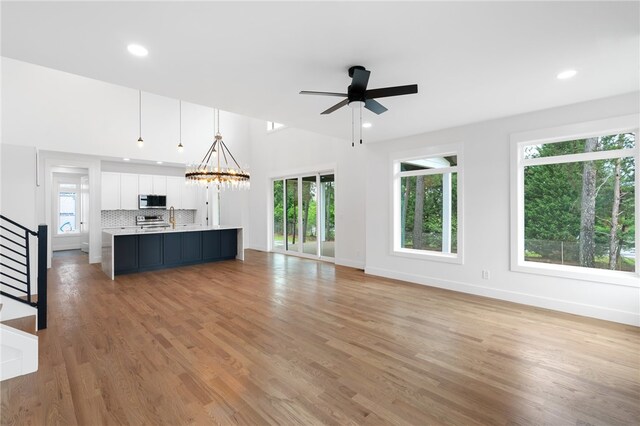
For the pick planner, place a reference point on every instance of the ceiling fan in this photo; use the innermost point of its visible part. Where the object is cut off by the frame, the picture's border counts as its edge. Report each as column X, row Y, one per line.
column 357, row 94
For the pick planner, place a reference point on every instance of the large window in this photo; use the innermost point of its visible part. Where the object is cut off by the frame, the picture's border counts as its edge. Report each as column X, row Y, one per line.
column 426, row 206
column 577, row 205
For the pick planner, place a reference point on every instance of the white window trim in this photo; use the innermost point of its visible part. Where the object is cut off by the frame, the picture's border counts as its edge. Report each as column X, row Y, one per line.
column 394, row 178
column 609, row 126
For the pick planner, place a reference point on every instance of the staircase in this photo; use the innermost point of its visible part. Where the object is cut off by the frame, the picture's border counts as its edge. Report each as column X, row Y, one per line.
column 21, row 315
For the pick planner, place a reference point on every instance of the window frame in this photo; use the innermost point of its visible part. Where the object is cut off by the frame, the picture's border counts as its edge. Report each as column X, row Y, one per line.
column 395, row 159
column 518, row 141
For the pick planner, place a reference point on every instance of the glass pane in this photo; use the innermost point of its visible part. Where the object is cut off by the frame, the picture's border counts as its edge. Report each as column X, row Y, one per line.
column 278, row 214
column 581, row 214
column 602, row 143
column 327, row 216
column 429, row 219
column 429, row 163
column 292, row 214
column 309, row 231
column 67, row 212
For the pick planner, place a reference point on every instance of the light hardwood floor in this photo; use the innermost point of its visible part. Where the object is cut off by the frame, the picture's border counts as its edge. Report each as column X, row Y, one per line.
column 283, row 340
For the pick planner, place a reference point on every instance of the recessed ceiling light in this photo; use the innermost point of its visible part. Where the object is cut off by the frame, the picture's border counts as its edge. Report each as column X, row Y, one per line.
column 566, row 74
column 137, row 50
column 366, row 125
column 126, row 159
column 158, row 162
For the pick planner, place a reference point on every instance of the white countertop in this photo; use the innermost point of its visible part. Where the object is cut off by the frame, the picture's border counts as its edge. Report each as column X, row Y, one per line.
column 179, row 228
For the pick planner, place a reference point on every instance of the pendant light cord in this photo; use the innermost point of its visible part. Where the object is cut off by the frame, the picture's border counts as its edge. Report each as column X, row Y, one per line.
column 180, row 122
column 140, row 113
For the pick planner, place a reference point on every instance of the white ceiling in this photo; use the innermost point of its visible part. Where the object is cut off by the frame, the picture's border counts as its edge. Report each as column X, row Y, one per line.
column 472, row 61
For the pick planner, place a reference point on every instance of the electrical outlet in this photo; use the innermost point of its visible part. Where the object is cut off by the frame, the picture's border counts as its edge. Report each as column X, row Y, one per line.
column 485, row 274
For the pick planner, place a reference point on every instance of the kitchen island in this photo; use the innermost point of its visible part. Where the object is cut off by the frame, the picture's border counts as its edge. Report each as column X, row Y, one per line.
column 130, row 250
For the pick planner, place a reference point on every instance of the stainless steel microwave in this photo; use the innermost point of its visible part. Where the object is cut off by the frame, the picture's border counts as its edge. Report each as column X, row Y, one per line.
column 151, row 201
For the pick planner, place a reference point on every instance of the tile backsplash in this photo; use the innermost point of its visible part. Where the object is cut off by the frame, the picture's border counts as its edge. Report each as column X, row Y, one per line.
column 117, row 218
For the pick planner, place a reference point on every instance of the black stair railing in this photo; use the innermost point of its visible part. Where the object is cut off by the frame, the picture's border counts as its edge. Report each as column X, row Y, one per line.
column 15, row 266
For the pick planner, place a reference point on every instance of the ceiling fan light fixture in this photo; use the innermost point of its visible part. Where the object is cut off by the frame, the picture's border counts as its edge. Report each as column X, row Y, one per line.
column 366, row 125
column 356, row 104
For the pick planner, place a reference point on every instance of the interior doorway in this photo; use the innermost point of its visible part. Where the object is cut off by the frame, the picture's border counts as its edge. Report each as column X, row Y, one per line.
column 70, row 207
column 303, row 215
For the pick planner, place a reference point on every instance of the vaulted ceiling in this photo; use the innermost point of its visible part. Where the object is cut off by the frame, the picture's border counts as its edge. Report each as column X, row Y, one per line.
column 472, row 61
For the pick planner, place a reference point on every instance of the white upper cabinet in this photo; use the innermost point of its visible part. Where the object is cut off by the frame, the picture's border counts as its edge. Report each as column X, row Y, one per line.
column 145, row 184
column 175, row 186
column 128, row 191
column 110, row 191
column 159, row 185
column 189, row 196
column 120, row 191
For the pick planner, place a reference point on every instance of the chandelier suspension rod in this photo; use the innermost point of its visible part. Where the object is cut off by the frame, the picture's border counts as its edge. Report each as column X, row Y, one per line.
column 230, row 154
column 207, row 156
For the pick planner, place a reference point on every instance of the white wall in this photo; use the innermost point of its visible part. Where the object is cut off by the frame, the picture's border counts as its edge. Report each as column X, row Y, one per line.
column 58, row 111
column 486, row 218
column 290, row 151
column 18, row 178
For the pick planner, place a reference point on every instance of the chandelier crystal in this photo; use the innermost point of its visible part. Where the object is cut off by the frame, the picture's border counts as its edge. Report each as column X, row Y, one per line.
column 211, row 170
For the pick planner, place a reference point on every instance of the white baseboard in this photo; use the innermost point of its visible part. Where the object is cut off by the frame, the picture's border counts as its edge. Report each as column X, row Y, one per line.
column 615, row 315
column 61, row 246
column 358, row 264
column 256, row 247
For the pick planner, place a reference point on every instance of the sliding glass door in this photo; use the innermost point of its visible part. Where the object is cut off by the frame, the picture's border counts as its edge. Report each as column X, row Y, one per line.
column 303, row 215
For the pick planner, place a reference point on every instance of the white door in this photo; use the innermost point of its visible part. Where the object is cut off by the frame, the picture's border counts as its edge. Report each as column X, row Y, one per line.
column 84, row 214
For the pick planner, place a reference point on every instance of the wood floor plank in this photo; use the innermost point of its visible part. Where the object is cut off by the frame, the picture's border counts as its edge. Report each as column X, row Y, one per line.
column 283, row 340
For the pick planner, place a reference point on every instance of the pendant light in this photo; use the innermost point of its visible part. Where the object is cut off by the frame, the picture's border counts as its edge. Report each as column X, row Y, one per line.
column 140, row 141
column 180, row 147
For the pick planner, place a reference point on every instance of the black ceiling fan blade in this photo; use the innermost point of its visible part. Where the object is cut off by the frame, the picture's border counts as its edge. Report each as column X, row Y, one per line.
column 360, row 80
column 385, row 92
column 374, row 106
column 310, row 92
column 336, row 106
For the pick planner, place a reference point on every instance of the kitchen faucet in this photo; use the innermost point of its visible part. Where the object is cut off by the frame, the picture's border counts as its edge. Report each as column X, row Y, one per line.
column 172, row 217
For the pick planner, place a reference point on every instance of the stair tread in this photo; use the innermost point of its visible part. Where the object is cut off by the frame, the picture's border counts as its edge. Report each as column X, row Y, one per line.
column 26, row 324
column 9, row 354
